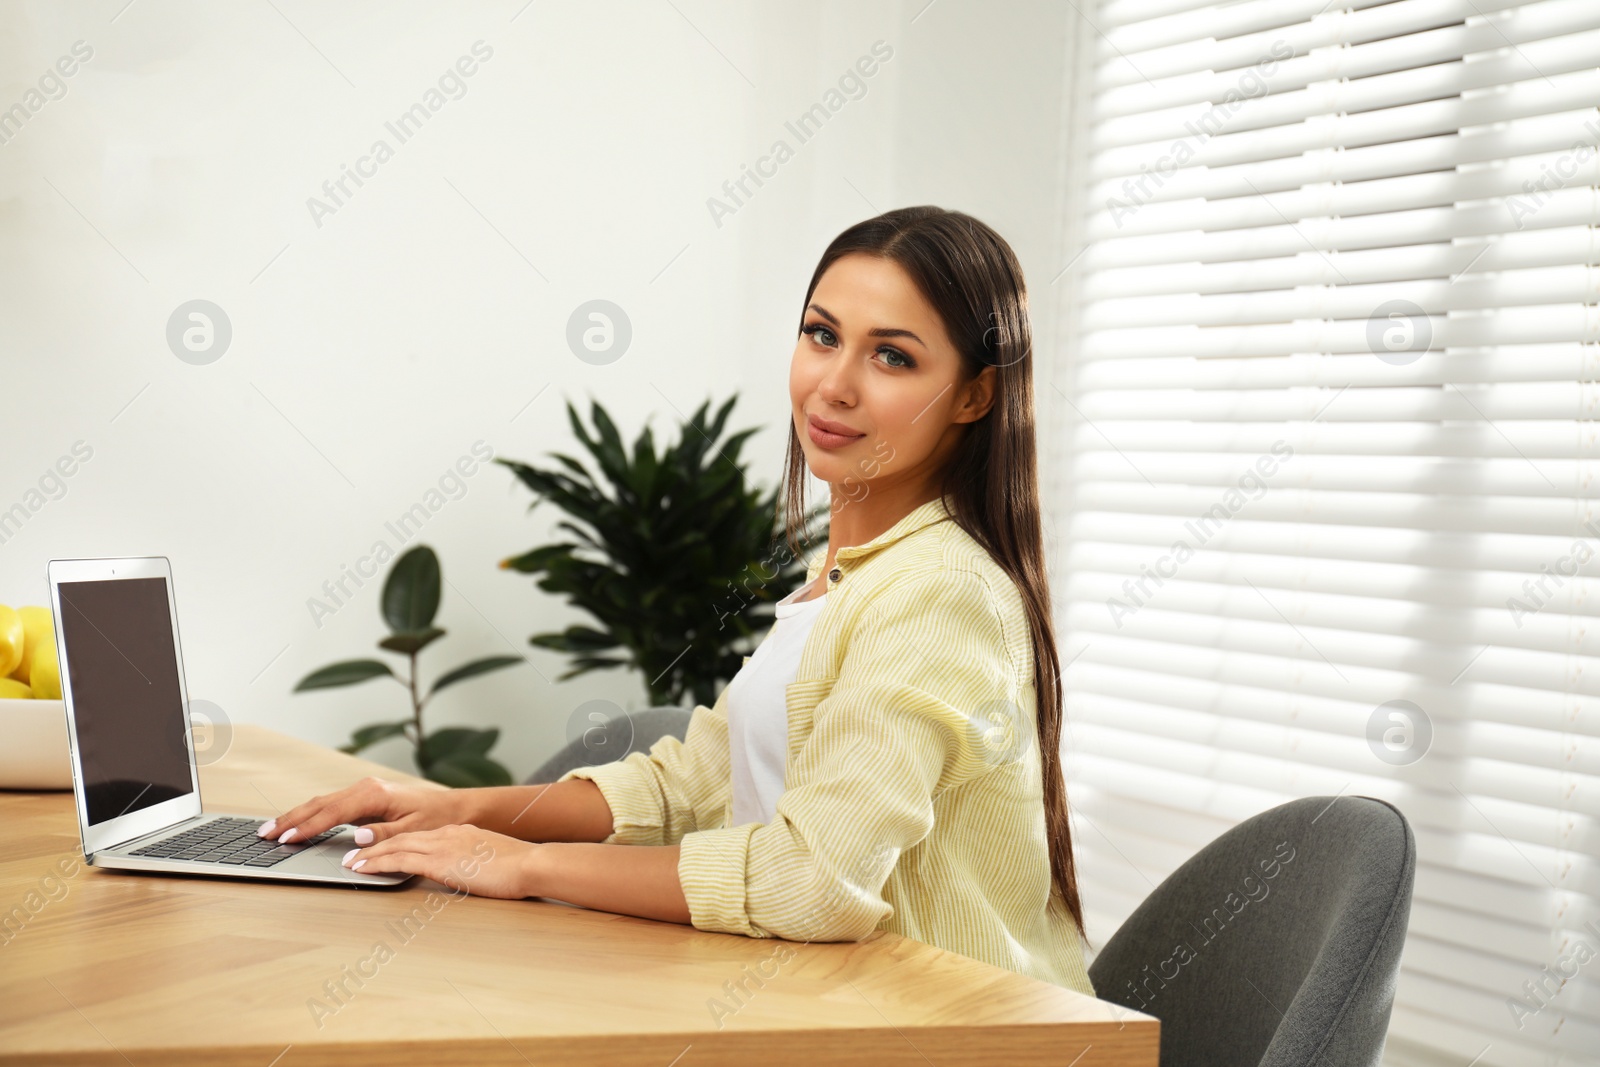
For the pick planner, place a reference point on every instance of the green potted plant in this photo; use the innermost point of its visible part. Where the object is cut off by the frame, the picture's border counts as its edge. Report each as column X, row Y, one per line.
column 677, row 560
column 455, row 755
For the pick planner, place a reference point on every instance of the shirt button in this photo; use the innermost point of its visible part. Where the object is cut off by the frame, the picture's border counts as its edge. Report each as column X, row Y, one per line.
column 834, row 575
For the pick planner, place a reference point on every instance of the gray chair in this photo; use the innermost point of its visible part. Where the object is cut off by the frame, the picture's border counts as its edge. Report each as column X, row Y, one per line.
column 634, row 731
column 1249, row 960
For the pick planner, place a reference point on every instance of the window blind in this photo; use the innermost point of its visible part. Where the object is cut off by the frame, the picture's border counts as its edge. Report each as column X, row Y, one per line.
column 1323, row 480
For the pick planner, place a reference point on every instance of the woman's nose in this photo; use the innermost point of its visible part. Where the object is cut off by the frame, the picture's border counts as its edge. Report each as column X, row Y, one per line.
column 838, row 381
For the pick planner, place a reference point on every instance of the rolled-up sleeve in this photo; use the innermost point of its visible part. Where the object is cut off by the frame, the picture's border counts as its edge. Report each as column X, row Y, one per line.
column 675, row 788
column 925, row 690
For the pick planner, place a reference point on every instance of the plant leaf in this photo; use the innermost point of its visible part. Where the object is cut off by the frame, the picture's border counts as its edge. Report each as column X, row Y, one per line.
column 468, row 771
column 348, row 672
column 472, row 670
column 411, row 592
column 455, row 741
column 580, row 472
column 536, row 560
column 411, row 642
column 609, row 451
column 577, row 639
column 371, row 735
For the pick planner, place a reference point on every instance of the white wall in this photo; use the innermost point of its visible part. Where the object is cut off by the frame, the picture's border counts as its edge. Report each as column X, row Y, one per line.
column 370, row 352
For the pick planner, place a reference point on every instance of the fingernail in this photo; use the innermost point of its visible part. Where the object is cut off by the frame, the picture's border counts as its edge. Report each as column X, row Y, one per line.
column 266, row 828
column 347, row 855
column 290, row 832
column 357, row 865
column 363, row 836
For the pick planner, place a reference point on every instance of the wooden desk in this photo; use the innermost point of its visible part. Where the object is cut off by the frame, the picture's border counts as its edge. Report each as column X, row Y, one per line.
column 111, row 967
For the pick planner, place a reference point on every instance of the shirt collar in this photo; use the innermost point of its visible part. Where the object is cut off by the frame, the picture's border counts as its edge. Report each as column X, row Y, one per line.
column 936, row 510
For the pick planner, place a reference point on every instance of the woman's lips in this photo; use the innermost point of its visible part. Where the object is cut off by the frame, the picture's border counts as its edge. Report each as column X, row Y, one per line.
column 828, row 439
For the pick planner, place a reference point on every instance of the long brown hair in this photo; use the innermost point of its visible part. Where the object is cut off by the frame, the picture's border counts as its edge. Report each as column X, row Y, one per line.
column 973, row 280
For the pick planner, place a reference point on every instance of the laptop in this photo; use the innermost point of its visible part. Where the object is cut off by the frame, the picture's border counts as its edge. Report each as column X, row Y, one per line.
column 134, row 775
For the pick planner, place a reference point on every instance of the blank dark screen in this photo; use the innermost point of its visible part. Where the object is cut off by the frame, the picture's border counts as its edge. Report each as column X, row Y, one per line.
column 123, row 668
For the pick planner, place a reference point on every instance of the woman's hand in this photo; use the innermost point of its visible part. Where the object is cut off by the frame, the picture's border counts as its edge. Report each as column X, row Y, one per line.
column 386, row 808
column 465, row 858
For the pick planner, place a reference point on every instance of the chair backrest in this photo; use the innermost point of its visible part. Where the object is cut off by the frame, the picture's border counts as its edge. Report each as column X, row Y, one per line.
column 1278, row 944
column 635, row 731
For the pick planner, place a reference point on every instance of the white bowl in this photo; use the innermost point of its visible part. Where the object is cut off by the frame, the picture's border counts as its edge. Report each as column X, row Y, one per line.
column 34, row 753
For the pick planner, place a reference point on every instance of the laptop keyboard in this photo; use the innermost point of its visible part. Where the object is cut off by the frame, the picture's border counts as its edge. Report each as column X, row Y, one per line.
column 227, row 840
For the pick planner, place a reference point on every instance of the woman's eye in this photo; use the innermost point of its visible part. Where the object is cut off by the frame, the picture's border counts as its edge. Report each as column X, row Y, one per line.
column 814, row 329
column 825, row 337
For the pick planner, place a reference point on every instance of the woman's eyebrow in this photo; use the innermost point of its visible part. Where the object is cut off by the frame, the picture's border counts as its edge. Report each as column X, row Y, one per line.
column 881, row 331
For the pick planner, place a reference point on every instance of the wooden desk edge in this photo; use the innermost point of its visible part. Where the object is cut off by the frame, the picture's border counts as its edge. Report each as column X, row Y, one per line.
column 1127, row 1039
column 1133, row 1044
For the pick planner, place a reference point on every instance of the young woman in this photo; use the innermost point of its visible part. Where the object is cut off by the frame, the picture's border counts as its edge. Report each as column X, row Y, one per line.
column 888, row 757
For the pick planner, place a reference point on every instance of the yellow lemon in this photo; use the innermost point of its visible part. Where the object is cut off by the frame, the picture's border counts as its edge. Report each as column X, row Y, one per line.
column 38, row 629
column 11, row 689
column 13, row 639
column 45, row 680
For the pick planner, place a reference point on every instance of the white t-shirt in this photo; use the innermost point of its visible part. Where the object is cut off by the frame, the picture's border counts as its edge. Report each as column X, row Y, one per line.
column 758, row 717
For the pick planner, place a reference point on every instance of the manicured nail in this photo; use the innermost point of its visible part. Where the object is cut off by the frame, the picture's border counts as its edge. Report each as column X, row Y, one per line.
column 290, row 832
column 357, row 865
column 347, row 855
column 266, row 828
column 363, row 836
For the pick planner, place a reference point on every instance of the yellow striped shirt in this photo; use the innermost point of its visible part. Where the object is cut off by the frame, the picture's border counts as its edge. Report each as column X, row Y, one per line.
column 913, row 797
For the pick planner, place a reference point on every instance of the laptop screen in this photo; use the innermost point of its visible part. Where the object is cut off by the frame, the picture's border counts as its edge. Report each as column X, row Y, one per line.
column 127, row 705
